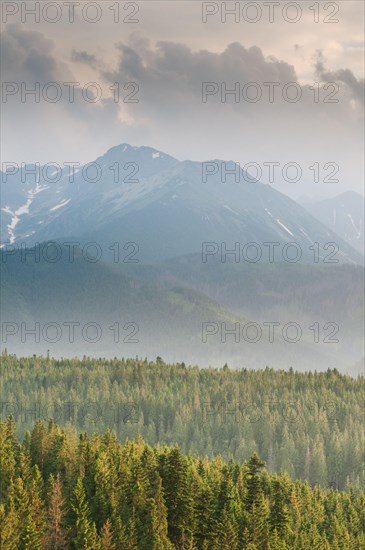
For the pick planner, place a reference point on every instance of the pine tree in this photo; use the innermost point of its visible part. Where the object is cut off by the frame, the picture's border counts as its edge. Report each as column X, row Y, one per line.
column 276, row 543
column 253, row 482
column 9, row 527
column 227, row 532
column 39, row 445
column 85, row 529
column 157, row 520
column 35, row 522
column 119, row 531
column 22, row 506
column 259, row 523
column 279, row 514
column 130, row 539
column 205, row 526
column 56, row 536
column 8, row 455
column 178, row 498
column 102, row 506
column 106, row 536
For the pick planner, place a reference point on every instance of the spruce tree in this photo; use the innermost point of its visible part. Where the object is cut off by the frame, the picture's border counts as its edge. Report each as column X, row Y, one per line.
column 85, row 534
column 253, row 482
column 178, row 498
column 56, row 536
column 106, row 536
column 279, row 514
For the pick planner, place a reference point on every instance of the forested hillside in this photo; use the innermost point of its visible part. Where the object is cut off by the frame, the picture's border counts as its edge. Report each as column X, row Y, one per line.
column 62, row 491
column 168, row 307
column 309, row 425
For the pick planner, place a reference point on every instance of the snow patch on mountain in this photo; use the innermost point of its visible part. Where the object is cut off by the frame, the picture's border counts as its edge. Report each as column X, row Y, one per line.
column 61, row 205
column 358, row 231
column 24, row 209
column 284, row 227
column 15, row 219
column 230, row 209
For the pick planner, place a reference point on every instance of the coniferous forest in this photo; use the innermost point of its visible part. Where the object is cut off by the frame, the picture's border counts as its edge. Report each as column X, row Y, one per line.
column 309, row 425
column 59, row 490
column 132, row 454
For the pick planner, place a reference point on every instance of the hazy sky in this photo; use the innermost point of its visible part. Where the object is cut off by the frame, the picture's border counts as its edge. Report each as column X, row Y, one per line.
column 166, row 52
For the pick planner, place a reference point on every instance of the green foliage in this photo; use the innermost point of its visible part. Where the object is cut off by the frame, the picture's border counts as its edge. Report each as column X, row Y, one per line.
column 85, row 530
column 132, row 496
column 309, row 425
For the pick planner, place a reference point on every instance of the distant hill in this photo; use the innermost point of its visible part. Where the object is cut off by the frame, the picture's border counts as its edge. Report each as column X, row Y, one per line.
column 169, row 317
column 278, row 291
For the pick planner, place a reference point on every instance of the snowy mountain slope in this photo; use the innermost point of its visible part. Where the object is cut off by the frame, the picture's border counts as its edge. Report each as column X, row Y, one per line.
column 167, row 207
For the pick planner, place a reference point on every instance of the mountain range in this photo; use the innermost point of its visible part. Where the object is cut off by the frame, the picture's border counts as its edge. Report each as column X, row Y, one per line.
column 149, row 215
column 167, row 207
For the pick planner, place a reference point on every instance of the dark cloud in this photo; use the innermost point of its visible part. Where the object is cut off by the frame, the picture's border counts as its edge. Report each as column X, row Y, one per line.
column 84, row 57
column 347, row 77
column 29, row 56
column 170, row 78
column 174, row 68
column 170, row 114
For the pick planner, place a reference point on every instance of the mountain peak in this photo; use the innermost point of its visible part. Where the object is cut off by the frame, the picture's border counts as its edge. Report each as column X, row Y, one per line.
column 140, row 150
column 165, row 206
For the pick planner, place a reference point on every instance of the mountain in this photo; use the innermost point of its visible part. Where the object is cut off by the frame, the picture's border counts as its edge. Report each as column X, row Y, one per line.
column 343, row 214
column 165, row 206
column 305, row 294
column 260, row 290
column 77, row 307
column 149, row 319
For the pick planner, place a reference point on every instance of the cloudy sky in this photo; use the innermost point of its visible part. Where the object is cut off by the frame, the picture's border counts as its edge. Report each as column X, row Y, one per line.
column 158, row 54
